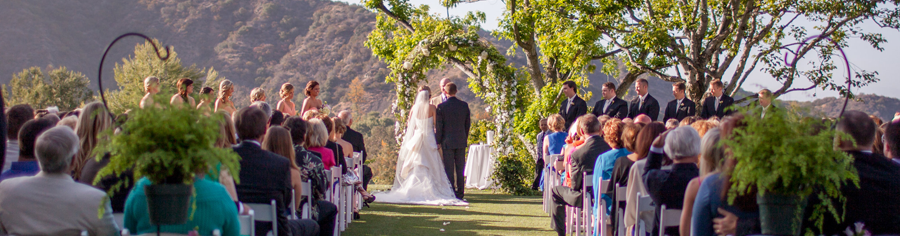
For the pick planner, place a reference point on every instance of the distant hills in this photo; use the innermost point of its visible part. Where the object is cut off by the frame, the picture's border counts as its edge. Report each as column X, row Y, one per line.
column 256, row 43
column 880, row 106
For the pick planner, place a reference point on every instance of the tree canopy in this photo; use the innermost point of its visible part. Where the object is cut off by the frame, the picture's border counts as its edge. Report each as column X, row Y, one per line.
column 60, row 87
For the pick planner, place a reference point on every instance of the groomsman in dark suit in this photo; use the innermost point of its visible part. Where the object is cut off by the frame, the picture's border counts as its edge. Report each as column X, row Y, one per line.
column 574, row 106
column 610, row 105
column 716, row 104
column 765, row 103
column 644, row 103
column 451, row 126
column 681, row 106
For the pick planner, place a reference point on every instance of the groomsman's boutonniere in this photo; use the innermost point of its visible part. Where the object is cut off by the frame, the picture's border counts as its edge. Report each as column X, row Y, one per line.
column 571, row 103
column 720, row 102
column 683, row 107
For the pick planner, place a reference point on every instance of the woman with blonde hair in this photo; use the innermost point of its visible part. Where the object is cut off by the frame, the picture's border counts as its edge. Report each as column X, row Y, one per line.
column 278, row 140
column 185, row 88
column 223, row 102
column 257, row 95
column 712, row 158
column 151, row 87
column 312, row 101
column 317, row 139
column 286, row 105
column 350, row 177
column 94, row 120
column 226, row 139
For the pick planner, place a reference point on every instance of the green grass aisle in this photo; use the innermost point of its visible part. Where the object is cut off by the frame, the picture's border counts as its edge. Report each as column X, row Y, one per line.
column 488, row 214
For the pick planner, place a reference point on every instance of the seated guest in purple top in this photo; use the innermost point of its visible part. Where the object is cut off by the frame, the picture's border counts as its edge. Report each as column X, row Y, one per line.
column 27, row 164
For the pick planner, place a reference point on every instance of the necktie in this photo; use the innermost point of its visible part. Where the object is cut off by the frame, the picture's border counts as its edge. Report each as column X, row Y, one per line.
column 677, row 105
column 444, row 98
column 717, row 104
column 641, row 105
column 606, row 106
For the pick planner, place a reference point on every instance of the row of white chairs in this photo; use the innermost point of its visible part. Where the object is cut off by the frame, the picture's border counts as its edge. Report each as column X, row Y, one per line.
column 342, row 195
column 581, row 221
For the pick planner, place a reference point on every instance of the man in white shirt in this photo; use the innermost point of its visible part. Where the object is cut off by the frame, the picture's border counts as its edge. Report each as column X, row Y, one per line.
column 16, row 117
column 644, row 103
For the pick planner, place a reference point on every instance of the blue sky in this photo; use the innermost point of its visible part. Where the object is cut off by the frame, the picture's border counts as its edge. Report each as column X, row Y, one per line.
column 861, row 54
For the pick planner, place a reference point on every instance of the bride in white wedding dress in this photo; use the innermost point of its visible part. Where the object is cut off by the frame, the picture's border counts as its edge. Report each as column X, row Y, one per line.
column 420, row 177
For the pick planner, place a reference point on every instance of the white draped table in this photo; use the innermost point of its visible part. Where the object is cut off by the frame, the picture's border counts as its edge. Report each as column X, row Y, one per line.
column 479, row 166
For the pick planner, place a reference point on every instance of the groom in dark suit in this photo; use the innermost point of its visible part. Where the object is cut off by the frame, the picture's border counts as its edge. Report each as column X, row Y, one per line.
column 451, row 127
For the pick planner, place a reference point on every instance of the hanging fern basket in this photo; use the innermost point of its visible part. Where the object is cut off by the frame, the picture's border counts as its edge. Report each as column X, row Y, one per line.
column 168, row 204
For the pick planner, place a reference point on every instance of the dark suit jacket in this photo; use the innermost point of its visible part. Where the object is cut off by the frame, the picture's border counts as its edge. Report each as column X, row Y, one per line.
column 578, row 109
column 584, row 158
column 666, row 187
column 356, row 139
column 264, row 176
column 876, row 202
column 540, row 144
column 709, row 109
column 650, row 107
column 618, row 108
column 452, row 124
column 688, row 108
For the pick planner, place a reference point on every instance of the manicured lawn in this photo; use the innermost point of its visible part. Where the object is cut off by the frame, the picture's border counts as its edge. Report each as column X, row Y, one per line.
column 488, row 213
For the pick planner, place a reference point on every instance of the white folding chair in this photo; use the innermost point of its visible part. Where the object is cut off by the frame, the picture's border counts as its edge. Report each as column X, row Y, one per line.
column 551, row 180
column 644, row 204
column 266, row 213
column 306, row 191
column 293, row 209
column 621, row 196
column 587, row 204
column 336, row 179
column 668, row 218
column 247, row 227
column 120, row 219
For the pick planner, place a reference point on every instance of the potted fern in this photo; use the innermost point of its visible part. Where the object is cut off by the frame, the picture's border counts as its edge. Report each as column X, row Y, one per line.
column 786, row 158
column 169, row 145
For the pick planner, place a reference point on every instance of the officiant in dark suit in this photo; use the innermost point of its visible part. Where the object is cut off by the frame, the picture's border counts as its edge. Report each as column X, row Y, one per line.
column 573, row 106
column 643, row 103
column 582, row 160
column 681, row 106
column 716, row 104
column 452, row 123
column 610, row 105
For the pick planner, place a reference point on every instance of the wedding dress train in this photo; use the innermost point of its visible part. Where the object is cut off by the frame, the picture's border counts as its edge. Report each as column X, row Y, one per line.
column 420, row 177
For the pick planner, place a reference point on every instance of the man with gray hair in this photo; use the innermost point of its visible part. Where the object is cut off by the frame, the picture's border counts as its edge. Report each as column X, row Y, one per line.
column 667, row 187
column 359, row 145
column 33, row 205
column 437, row 100
column 264, row 106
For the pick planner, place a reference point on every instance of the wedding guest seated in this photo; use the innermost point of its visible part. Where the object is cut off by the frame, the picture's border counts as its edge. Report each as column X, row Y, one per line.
column 702, row 126
column 68, row 121
column 52, row 203
column 212, row 209
column 642, row 119
column 687, row 121
column 712, row 157
column 554, row 141
column 318, row 137
column 671, row 124
column 338, row 151
column 603, row 168
column 16, row 116
column 265, row 175
column 666, row 187
column 359, row 145
column 582, row 161
column 635, row 174
column 312, row 169
column 876, row 201
column 620, row 171
column 276, row 119
column 710, row 201
column 90, row 129
column 27, row 164
column 263, row 106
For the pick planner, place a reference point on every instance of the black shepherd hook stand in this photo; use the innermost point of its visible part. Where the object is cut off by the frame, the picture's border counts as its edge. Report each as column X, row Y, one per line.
column 102, row 59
